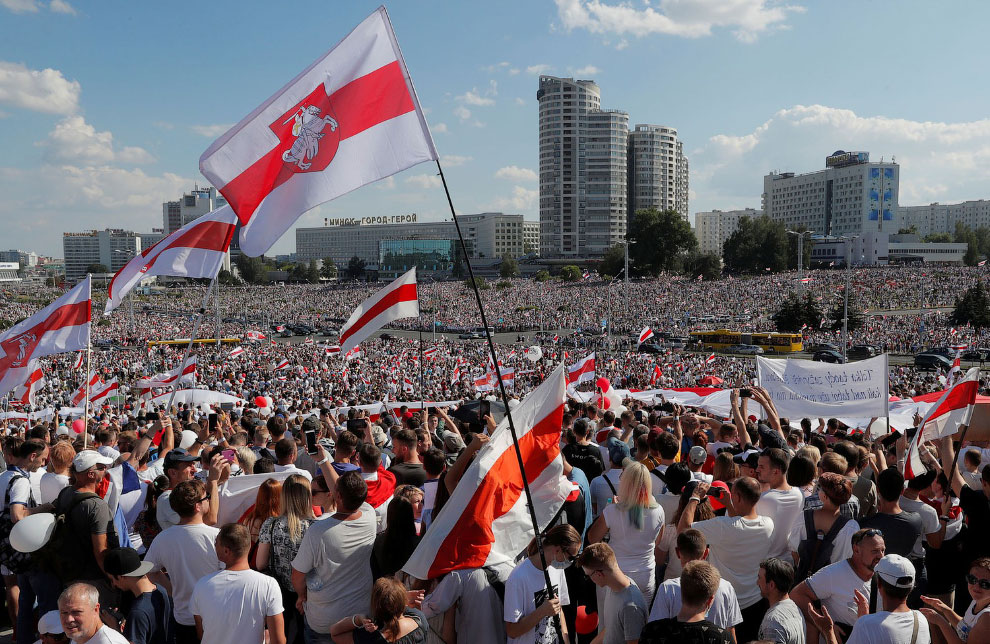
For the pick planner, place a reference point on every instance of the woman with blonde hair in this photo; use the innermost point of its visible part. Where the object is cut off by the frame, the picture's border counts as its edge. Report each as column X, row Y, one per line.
column 57, row 475
column 635, row 525
column 725, row 469
column 278, row 543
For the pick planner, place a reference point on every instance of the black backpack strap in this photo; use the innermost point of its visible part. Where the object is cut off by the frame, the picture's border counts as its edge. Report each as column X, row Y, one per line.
column 6, row 494
column 610, row 485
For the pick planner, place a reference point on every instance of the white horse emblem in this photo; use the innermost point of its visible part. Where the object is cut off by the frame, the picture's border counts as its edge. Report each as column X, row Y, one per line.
column 308, row 129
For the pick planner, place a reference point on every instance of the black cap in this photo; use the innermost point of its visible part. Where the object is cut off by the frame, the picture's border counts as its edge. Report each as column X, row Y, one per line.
column 125, row 562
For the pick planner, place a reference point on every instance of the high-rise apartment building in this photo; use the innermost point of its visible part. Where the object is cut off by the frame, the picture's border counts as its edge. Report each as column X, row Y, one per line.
column 714, row 227
column 495, row 234
column 111, row 247
column 942, row 217
column 658, row 170
column 176, row 214
column 583, row 170
column 850, row 196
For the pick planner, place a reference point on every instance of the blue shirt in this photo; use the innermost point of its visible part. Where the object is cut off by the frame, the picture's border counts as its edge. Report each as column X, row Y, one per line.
column 150, row 618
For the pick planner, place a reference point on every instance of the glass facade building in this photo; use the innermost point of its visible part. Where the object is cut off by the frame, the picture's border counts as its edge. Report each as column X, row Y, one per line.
column 396, row 256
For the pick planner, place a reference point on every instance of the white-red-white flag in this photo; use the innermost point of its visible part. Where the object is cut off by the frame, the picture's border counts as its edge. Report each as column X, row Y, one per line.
column 254, row 335
column 308, row 341
column 332, row 349
column 349, row 119
column 657, row 373
column 79, row 395
column 644, row 335
column 429, row 354
column 178, row 376
column 583, row 371
column 79, row 361
column 955, row 407
column 396, row 301
column 195, row 250
column 486, row 521
column 455, row 377
column 485, row 382
column 956, row 366
column 104, row 391
column 353, row 354
column 35, row 382
column 407, row 386
column 280, row 328
column 282, row 365
column 236, row 352
column 710, row 359
column 61, row 326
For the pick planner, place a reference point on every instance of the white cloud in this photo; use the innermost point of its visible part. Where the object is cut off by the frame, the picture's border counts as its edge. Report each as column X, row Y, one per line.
column 939, row 161
column 515, row 173
column 211, row 131
column 521, row 199
column 21, row 6
column 43, row 90
column 748, row 19
column 76, row 142
column 587, row 70
column 61, row 6
column 513, row 71
column 424, row 181
column 439, row 128
column 536, row 70
column 462, row 112
column 497, row 67
column 454, row 160
column 388, row 183
column 473, row 97
column 520, row 101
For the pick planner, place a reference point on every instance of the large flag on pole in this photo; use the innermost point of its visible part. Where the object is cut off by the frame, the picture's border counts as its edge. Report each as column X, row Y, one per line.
column 195, row 250
column 98, row 395
column 61, row 326
column 35, row 382
column 486, row 520
column 396, row 301
column 184, row 375
column 583, row 371
column 79, row 395
column 955, row 407
column 644, row 335
column 350, row 118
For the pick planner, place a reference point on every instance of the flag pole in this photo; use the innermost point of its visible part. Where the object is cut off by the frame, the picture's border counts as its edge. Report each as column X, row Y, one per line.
column 192, row 339
column 505, row 398
column 421, row 394
column 89, row 358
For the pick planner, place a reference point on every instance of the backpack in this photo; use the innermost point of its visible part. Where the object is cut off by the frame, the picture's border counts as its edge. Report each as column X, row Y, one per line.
column 815, row 551
column 495, row 582
column 53, row 555
column 17, row 562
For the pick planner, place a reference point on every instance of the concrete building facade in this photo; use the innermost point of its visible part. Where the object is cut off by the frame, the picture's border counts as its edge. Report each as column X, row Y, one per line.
column 942, row 218
column 712, row 228
column 658, row 170
column 198, row 202
column 111, row 247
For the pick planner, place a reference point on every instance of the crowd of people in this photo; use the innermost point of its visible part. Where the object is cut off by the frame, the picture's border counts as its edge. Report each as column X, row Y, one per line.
column 683, row 525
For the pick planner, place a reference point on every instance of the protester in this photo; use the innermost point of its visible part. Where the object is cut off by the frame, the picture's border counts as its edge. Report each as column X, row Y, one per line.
column 478, row 605
column 699, row 582
column 623, row 613
column 974, row 624
column 149, row 619
column 393, row 620
column 783, row 622
column 79, row 611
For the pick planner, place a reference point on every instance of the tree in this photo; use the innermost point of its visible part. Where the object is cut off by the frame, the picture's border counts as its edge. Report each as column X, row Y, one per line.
column 973, row 307
column 542, row 276
column 97, row 268
column 312, row 272
column 938, row 238
column 795, row 313
column 253, row 270
column 478, row 281
column 707, row 265
column 329, row 269
column 911, row 230
column 355, row 267
column 509, row 267
column 227, row 278
column 612, row 262
column 972, row 256
column 856, row 317
column 660, row 239
column 570, row 273
column 759, row 243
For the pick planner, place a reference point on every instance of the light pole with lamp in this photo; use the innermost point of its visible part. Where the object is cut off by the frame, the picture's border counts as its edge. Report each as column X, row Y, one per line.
column 800, row 253
column 845, row 295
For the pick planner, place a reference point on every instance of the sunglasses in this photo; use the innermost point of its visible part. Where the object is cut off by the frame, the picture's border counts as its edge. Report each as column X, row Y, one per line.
column 872, row 532
column 973, row 580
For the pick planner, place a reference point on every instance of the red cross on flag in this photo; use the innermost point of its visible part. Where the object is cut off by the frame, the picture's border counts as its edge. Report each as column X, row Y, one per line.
column 61, row 326
column 350, row 118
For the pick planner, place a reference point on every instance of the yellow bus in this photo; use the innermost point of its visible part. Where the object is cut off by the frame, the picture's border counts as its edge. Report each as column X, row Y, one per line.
column 722, row 339
column 183, row 342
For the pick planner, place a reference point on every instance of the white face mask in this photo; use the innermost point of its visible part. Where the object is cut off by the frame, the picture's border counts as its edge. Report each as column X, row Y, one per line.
column 561, row 565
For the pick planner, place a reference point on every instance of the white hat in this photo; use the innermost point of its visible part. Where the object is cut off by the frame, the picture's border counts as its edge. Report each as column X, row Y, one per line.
column 50, row 624
column 188, row 438
column 896, row 570
column 89, row 458
column 109, row 452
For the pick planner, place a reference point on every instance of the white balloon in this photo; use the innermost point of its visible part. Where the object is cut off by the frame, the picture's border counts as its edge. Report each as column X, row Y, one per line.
column 32, row 532
column 534, row 353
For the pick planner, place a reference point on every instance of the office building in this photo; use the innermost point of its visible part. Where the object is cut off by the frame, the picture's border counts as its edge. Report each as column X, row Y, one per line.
column 111, row 247
column 714, row 227
column 851, row 196
column 583, row 170
column 25, row 259
column 176, row 214
column 495, row 234
column 881, row 248
column 658, row 170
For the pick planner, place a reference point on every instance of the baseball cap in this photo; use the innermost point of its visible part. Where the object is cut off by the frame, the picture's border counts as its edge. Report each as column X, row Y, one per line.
column 698, row 455
column 617, row 451
column 311, row 424
column 50, row 624
column 125, row 562
column 452, row 443
column 177, row 456
column 187, row 438
column 896, row 570
column 749, row 458
column 89, row 458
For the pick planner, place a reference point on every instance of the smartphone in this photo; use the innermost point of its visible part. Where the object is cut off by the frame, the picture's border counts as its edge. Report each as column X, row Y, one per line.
column 817, row 603
column 152, row 415
column 714, row 491
column 745, row 393
column 227, row 406
column 214, row 422
column 310, row 441
column 228, row 454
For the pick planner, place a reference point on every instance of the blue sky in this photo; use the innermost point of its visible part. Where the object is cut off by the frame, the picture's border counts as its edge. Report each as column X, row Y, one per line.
column 105, row 106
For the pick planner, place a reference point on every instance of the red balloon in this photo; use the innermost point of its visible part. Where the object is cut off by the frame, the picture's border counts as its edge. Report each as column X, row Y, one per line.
column 603, row 383
column 585, row 623
column 259, row 401
column 78, row 425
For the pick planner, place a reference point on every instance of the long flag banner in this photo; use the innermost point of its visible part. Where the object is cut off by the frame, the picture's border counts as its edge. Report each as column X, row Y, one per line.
column 955, row 407
column 350, row 118
column 396, row 301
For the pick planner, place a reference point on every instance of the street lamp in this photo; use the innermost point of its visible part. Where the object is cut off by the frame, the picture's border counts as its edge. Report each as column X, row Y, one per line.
column 800, row 236
column 845, row 294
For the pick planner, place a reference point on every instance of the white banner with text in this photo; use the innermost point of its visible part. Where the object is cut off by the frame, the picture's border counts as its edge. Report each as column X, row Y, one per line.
column 807, row 389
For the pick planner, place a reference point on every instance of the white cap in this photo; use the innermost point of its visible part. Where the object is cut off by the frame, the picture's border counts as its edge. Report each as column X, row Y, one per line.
column 896, row 570
column 89, row 458
column 109, row 452
column 50, row 624
column 188, row 438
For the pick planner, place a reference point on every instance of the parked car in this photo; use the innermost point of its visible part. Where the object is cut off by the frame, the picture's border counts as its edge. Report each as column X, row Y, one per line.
column 976, row 354
column 472, row 335
column 862, row 351
column 745, row 349
column 822, row 346
column 285, row 333
column 932, row 361
column 828, row 355
column 649, row 347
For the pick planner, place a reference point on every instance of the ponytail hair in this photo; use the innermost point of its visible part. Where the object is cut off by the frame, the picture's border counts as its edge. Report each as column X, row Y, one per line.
column 563, row 536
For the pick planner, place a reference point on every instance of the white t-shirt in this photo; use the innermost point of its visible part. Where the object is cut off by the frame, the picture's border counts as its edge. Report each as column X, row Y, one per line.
column 723, row 612
column 293, row 470
column 714, row 446
column 836, row 585
column 784, row 507
column 633, row 546
column 601, row 492
column 893, row 628
column 736, row 547
column 51, row 485
column 20, row 488
column 155, row 469
column 188, row 553
column 929, row 522
column 35, row 478
column 668, row 543
column 969, row 620
column 107, row 635
column 841, row 545
column 335, row 555
column 166, row 516
column 233, row 605
column 525, row 589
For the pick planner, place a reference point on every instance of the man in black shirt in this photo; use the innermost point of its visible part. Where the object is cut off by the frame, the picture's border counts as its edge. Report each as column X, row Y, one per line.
column 149, row 620
column 409, row 468
column 699, row 581
column 901, row 529
column 976, row 509
column 584, row 455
